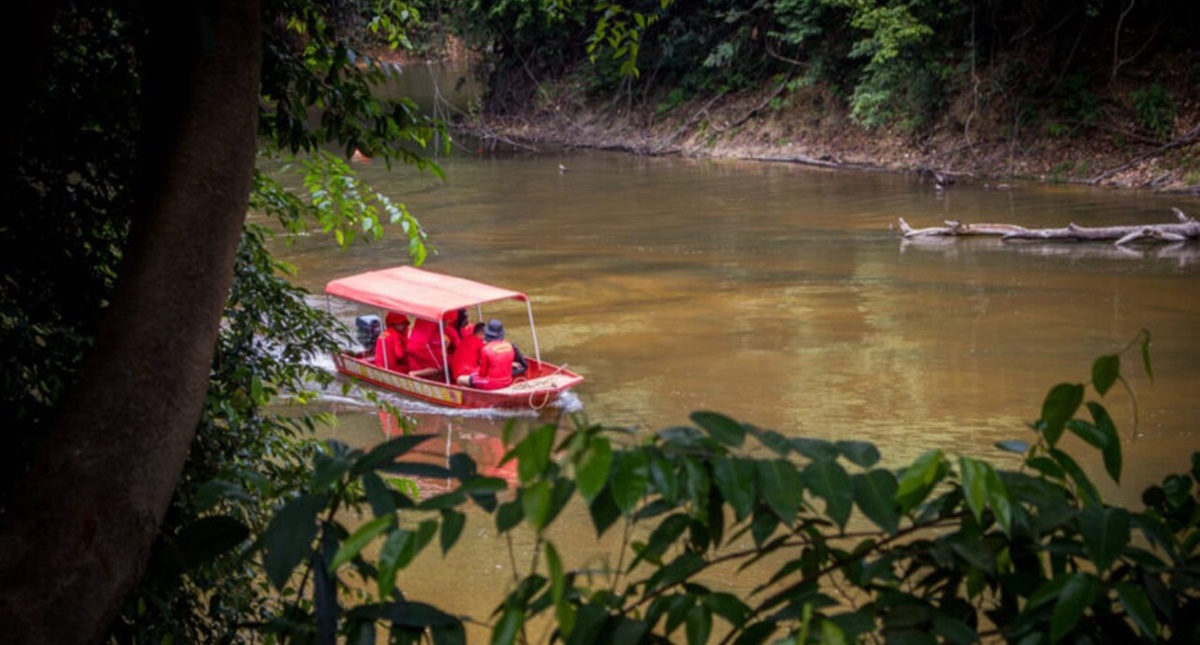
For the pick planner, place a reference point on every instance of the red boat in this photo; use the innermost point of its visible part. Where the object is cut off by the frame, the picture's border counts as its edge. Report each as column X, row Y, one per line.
column 430, row 296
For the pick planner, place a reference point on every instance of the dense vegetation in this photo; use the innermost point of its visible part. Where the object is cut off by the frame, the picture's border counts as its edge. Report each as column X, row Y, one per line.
column 253, row 542
column 1123, row 72
column 892, row 62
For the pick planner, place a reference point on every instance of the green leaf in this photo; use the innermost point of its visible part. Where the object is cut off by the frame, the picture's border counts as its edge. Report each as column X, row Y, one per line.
column 505, row 632
column 533, row 453
column 698, row 624
column 509, row 515
column 679, row 570
column 664, row 476
column 1112, row 442
column 875, row 494
column 289, row 537
column 360, row 538
column 860, row 453
column 1077, row 594
column 918, row 479
column 829, row 481
column 1088, row 433
column 325, row 605
column 535, row 502
column 629, row 479
column 832, row 634
column 1058, row 408
column 379, row 496
column 763, row 525
column 591, row 472
column 452, row 527
column 729, row 607
column 773, row 441
column 664, row 537
column 1087, row 490
column 781, row 487
column 720, row 427
column 1046, row 466
column 588, row 622
column 735, row 480
column 999, row 500
column 391, row 555
column 603, row 511
column 1105, row 371
column 974, row 482
column 329, row 467
column 1105, row 533
column 815, row 449
column 1138, row 606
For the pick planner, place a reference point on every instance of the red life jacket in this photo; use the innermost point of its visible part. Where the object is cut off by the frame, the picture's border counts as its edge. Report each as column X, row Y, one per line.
column 389, row 350
column 465, row 359
column 495, row 365
column 424, row 345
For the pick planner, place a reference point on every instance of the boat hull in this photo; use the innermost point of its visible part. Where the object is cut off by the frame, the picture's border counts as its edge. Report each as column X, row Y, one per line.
column 541, row 386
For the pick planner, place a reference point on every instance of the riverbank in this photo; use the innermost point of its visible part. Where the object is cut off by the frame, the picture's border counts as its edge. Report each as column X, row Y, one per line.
column 806, row 127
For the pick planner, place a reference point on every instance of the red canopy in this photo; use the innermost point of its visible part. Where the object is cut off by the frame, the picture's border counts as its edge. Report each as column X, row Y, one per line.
column 424, row 294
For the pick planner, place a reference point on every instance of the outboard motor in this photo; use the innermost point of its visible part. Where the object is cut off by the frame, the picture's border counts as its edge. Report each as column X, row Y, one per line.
column 367, row 329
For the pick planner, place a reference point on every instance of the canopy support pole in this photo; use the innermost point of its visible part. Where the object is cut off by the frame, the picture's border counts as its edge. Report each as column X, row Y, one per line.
column 533, row 330
column 445, row 363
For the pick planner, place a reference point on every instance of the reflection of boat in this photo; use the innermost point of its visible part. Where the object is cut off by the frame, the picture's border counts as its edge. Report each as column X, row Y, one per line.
column 484, row 449
column 430, row 296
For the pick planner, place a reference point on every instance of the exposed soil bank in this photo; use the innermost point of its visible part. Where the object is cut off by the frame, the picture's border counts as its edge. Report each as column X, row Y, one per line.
column 806, row 127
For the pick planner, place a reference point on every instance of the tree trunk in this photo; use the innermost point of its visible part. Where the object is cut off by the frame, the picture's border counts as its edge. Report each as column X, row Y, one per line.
column 1187, row 229
column 81, row 527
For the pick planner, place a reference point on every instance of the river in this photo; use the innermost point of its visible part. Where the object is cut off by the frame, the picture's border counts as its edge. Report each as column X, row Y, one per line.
column 780, row 295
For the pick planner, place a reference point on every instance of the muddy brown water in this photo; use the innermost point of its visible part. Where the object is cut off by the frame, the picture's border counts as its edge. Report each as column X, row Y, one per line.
column 779, row 295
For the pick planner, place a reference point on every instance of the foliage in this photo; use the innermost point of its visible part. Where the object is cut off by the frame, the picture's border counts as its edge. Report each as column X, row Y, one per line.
column 865, row 51
column 1155, row 110
column 338, row 200
column 943, row 549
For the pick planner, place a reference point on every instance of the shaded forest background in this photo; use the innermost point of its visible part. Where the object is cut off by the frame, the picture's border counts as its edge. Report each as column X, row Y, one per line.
column 1104, row 91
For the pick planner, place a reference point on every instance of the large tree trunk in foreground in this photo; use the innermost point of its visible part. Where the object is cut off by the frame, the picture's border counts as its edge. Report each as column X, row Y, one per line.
column 80, row 529
column 1187, row 229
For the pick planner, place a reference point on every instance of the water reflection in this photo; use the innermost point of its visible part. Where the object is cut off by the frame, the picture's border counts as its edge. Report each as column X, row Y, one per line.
column 450, row 438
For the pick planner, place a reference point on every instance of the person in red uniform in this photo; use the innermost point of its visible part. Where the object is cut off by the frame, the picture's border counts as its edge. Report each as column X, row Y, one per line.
column 390, row 347
column 465, row 359
column 426, row 341
column 499, row 361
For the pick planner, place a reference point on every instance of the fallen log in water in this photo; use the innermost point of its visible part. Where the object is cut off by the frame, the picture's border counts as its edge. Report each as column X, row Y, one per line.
column 1186, row 229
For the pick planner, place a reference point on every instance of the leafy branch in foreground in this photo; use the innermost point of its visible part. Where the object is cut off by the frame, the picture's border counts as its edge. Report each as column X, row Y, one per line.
column 945, row 549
